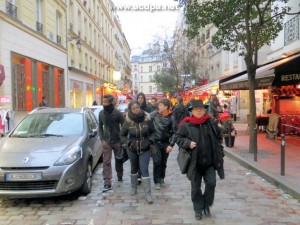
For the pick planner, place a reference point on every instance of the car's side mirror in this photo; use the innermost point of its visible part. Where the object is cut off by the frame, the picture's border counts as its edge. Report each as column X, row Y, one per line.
column 93, row 133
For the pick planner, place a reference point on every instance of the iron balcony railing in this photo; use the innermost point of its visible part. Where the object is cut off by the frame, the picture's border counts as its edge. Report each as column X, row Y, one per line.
column 292, row 30
column 39, row 27
column 58, row 39
column 11, row 9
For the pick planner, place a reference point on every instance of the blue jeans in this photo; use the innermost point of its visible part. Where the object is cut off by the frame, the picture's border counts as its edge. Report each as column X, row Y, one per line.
column 139, row 162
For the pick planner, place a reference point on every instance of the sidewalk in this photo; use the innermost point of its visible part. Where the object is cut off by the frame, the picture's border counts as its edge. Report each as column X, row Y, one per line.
column 268, row 164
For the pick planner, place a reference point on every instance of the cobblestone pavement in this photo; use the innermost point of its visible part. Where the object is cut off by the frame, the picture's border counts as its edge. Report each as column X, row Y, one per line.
column 243, row 198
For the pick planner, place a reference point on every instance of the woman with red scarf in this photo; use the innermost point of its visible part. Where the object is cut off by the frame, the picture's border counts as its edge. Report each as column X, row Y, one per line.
column 202, row 136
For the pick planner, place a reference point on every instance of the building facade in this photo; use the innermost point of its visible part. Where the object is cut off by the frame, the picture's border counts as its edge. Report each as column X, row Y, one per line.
column 62, row 49
column 33, row 53
column 144, row 67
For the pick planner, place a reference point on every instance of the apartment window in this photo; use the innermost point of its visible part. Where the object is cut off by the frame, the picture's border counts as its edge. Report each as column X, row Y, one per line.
column 136, row 85
column 135, row 67
column 165, row 65
column 38, row 14
column 150, row 68
column 141, row 69
column 58, row 25
column 150, row 78
column 141, row 78
column 150, row 89
column 142, row 89
column 158, row 68
column 79, row 22
column 86, row 61
column 135, row 76
column 11, row 8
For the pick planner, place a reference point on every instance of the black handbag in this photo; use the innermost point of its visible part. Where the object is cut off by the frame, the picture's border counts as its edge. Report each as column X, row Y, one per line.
column 122, row 155
column 184, row 160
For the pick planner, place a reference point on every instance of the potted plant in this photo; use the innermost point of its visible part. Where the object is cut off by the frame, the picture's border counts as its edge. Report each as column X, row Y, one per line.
column 228, row 132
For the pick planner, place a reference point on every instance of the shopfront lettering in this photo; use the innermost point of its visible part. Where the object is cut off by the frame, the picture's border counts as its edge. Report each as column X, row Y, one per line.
column 290, row 77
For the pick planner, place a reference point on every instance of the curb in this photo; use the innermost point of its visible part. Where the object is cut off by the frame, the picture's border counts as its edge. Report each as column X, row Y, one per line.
column 278, row 181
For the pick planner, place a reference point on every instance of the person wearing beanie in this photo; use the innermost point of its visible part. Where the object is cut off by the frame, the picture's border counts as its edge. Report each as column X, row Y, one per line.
column 110, row 121
column 200, row 135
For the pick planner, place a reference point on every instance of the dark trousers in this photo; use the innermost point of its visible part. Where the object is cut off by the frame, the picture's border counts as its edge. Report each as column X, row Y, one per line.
column 160, row 159
column 202, row 200
column 108, row 148
column 139, row 162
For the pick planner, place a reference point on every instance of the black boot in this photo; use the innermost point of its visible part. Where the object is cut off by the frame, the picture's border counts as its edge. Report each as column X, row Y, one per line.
column 207, row 211
column 198, row 216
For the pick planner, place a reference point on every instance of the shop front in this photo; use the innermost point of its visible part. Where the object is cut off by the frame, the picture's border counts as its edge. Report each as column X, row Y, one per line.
column 34, row 79
column 277, row 87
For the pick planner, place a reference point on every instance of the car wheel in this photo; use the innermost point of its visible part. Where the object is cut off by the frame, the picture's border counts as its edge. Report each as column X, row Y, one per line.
column 87, row 184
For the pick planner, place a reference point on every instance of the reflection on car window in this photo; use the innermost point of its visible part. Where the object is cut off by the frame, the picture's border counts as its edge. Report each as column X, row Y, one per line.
column 54, row 124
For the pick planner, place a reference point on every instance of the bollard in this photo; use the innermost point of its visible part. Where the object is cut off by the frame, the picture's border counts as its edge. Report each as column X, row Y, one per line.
column 282, row 161
column 255, row 141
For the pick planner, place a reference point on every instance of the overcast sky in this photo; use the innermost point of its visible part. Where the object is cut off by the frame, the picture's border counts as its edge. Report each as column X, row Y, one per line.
column 142, row 20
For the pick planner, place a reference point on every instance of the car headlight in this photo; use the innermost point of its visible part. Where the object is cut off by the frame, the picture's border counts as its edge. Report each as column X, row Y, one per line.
column 70, row 156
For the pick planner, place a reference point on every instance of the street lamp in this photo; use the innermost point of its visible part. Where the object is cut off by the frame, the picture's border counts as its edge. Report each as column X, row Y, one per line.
column 78, row 42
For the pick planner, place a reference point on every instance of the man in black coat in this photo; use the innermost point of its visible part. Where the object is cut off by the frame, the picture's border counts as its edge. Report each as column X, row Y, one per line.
column 202, row 137
column 179, row 112
column 110, row 121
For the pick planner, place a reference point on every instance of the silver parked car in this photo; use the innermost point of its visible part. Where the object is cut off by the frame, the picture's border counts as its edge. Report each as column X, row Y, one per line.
column 51, row 152
column 96, row 110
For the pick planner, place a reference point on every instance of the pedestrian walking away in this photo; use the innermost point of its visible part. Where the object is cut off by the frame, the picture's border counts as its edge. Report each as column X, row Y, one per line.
column 44, row 102
column 214, row 107
column 179, row 112
column 110, row 121
column 201, row 135
column 137, row 134
column 164, row 125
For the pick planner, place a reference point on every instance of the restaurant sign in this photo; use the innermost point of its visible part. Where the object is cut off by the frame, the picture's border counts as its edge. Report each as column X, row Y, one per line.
column 286, row 79
column 244, row 85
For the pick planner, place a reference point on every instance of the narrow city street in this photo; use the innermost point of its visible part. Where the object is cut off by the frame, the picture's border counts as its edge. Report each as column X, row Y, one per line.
column 242, row 198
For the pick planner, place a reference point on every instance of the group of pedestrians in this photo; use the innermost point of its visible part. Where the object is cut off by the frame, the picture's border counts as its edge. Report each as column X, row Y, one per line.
column 152, row 130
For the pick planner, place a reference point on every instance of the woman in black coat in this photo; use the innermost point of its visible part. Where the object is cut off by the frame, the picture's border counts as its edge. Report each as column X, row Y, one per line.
column 137, row 134
column 201, row 135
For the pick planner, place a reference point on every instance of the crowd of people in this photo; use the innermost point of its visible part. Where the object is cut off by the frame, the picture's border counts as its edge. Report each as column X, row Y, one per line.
column 152, row 130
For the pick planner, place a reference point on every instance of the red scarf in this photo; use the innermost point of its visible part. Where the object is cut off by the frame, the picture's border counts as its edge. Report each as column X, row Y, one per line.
column 195, row 120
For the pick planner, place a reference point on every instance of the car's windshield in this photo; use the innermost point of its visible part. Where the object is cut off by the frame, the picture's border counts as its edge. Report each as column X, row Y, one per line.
column 52, row 124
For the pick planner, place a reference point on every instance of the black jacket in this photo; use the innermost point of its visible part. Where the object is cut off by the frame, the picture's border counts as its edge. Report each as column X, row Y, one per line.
column 164, row 127
column 209, row 149
column 137, row 136
column 179, row 113
column 109, row 128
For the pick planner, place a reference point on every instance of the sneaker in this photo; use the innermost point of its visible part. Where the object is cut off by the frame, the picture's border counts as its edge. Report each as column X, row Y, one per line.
column 106, row 187
column 120, row 179
column 157, row 186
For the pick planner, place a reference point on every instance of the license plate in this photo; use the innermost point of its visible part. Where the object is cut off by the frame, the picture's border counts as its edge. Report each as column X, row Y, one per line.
column 23, row 176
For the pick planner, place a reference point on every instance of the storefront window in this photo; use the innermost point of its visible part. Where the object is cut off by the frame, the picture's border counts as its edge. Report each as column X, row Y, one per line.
column 89, row 94
column 76, row 94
